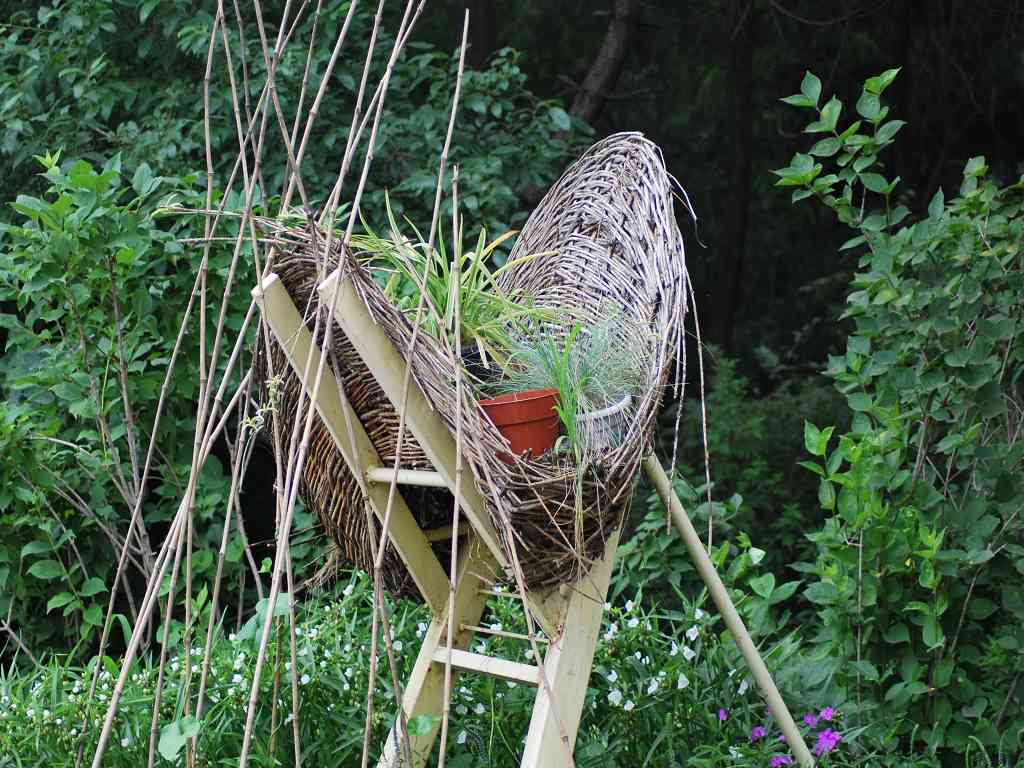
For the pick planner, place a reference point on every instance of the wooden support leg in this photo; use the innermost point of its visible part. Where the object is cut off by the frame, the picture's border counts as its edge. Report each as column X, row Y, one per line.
column 567, row 667
column 424, row 690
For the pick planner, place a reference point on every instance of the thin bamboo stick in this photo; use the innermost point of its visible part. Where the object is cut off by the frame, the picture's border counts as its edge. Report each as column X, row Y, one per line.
column 706, row 569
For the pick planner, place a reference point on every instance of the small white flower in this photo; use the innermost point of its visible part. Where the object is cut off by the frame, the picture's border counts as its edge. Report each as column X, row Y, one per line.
column 479, row 709
column 734, row 752
column 628, row 706
column 312, row 633
column 607, row 606
column 59, row 720
column 46, row 713
column 420, row 629
column 674, row 650
column 652, row 686
column 638, row 655
column 231, row 691
column 345, row 687
column 744, row 685
column 615, row 697
column 613, row 676
column 510, row 684
column 347, row 590
column 298, row 631
column 646, row 660
column 698, row 614
column 528, row 653
column 480, row 647
column 461, row 710
column 125, row 741
column 348, row 671
column 236, row 679
column 304, row 679
column 291, row 716
column 688, row 653
column 232, row 637
column 629, row 606
column 398, row 646
column 496, row 627
column 461, row 738
column 323, row 663
column 613, row 629
column 633, row 622
column 693, row 633
column 74, row 732
column 682, row 682
column 30, row 712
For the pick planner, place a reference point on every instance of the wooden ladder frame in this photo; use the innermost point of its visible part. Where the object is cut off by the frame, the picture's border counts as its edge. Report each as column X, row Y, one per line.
column 570, row 615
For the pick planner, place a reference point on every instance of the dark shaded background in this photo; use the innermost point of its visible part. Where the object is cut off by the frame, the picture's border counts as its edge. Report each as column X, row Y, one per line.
column 703, row 80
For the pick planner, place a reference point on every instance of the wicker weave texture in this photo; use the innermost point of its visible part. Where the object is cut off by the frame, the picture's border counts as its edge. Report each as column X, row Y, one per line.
column 611, row 225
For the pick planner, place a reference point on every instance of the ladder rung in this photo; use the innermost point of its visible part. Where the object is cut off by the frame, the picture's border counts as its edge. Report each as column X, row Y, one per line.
column 490, row 665
column 444, row 534
column 406, row 477
column 500, row 593
column 499, row 632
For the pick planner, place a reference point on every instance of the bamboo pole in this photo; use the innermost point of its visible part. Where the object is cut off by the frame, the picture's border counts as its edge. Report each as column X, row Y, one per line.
column 706, row 569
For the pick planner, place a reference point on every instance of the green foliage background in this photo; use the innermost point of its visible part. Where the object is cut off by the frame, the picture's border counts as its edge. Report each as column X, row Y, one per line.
column 871, row 532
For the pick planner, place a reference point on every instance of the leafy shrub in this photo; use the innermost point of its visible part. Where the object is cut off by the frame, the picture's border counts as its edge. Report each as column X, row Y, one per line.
column 667, row 689
column 918, row 573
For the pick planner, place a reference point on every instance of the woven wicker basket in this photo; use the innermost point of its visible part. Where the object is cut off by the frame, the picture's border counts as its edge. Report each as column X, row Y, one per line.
column 610, row 223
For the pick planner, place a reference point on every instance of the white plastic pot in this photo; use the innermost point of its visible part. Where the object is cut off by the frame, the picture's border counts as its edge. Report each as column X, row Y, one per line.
column 604, row 428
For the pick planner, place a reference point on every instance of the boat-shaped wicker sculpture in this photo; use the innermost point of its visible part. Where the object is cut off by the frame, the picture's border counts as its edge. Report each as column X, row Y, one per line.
column 614, row 246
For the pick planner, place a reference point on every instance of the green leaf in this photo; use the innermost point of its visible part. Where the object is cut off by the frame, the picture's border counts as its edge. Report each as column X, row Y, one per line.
column 887, row 130
column 421, row 725
column 875, row 182
column 783, row 592
column 879, row 83
column 799, row 100
column 174, row 735
column 897, row 633
column 763, row 585
column 811, row 88
column 859, row 401
column 868, row 106
column 560, row 118
column 826, row 147
column 826, row 494
column 93, row 615
column 36, row 548
column 830, row 113
column 46, row 570
column 822, row 592
column 93, row 586
column 811, row 437
column 59, row 601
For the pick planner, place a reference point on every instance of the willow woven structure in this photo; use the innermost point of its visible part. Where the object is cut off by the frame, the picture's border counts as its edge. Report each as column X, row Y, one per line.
column 614, row 245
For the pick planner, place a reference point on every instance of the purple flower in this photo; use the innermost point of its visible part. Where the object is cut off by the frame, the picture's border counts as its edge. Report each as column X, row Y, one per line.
column 780, row 760
column 827, row 741
column 810, row 720
column 827, row 714
column 757, row 732
column 782, row 737
column 722, row 714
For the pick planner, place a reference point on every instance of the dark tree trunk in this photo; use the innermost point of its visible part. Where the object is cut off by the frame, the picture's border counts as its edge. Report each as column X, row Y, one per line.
column 607, row 64
column 483, row 32
column 726, row 295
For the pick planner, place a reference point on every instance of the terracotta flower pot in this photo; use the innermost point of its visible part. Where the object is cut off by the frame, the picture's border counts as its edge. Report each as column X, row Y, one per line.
column 526, row 419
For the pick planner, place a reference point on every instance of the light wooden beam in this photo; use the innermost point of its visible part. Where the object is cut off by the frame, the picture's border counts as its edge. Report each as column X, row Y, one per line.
column 567, row 666
column 295, row 339
column 388, row 366
column 707, row 572
column 503, row 669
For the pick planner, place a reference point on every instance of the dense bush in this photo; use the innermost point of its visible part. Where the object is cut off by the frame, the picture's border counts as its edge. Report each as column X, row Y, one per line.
column 918, row 576
column 668, row 689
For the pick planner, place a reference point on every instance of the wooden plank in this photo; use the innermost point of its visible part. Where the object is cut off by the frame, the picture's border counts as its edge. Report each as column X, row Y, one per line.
column 295, row 339
column 424, row 690
column 503, row 669
column 406, row 477
column 567, row 667
column 723, row 602
column 388, row 367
